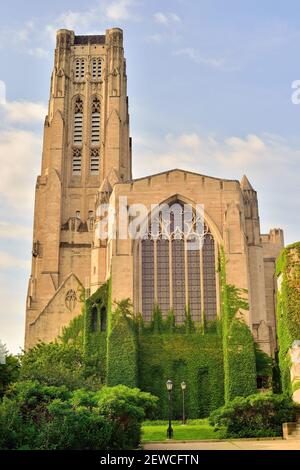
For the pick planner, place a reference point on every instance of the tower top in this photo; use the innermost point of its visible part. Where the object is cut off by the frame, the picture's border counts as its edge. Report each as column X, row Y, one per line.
column 67, row 37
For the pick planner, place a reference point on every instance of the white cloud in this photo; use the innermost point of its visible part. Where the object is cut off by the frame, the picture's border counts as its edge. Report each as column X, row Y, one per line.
column 195, row 56
column 2, row 93
column 97, row 17
column 120, row 10
column 12, row 314
column 23, row 112
column 20, row 154
column 39, row 53
column 9, row 261
column 269, row 161
column 166, row 18
column 15, row 231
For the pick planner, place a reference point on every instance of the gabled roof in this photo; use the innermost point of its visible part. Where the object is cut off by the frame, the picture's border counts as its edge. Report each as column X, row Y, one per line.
column 55, row 294
column 182, row 171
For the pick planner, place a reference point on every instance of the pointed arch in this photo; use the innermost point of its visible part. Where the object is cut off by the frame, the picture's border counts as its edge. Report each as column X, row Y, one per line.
column 171, row 274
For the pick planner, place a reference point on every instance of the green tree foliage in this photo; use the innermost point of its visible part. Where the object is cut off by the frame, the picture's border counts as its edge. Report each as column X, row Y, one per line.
column 253, row 416
column 9, row 372
column 57, row 364
column 35, row 416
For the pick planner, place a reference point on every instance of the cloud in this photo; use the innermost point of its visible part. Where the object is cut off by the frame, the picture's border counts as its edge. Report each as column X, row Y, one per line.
column 20, row 154
column 39, row 53
column 2, row 92
column 166, row 18
column 20, row 232
column 12, row 317
column 8, row 261
column 103, row 13
column 269, row 161
column 23, row 112
column 195, row 56
column 120, row 10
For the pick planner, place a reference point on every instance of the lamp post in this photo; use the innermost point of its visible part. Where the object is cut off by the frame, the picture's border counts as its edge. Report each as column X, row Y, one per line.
column 183, row 387
column 169, row 386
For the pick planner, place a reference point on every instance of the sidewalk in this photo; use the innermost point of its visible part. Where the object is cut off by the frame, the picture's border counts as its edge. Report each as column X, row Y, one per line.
column 275, row 444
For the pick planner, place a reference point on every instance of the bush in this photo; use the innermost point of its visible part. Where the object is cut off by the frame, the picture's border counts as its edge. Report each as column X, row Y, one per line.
column 39, row 417
column 258, row 415
column 9, row 372
column 57, row 364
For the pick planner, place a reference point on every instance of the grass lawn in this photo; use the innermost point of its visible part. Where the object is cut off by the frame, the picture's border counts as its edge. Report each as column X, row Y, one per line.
column 196, row 429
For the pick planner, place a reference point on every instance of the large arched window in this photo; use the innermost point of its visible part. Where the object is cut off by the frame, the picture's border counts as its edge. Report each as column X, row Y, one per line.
column 178, row 267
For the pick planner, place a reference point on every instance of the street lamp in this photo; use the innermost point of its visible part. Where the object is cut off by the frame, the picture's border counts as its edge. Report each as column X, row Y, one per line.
column 169, row 386
column 183, row 387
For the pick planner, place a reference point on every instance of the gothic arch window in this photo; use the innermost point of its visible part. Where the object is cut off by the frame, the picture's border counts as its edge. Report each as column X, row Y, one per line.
column 178, row 270
column 96, row 68
column 94, row 160
column 76, row 161
column 103, row 319
column 70, row 300
column 94, row 319
column 79, row 68
column 95, row 121
column 77, row 136
column 78, row 121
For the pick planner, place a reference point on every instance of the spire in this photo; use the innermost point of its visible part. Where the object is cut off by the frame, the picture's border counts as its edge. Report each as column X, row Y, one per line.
column 245, row 184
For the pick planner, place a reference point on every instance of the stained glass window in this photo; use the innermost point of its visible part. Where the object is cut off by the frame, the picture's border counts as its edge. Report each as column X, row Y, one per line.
column 165, row 255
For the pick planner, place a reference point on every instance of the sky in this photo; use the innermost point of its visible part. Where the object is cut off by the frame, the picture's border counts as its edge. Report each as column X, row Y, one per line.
column 210, row 90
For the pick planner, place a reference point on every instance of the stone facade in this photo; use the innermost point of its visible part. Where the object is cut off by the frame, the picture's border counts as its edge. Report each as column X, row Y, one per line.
column 67, row 252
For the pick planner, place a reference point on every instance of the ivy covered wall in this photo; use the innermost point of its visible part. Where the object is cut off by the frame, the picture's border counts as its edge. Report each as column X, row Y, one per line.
column 216, row 360
column 288, row 308
column 95, row 313
column 194, row 358
column 238, row 343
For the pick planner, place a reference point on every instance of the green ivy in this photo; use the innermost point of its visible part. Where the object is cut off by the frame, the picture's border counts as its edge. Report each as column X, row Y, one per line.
column 122, row 347
column 94, row 340
column 194, row 358
column 238, row 343
column 288, row 308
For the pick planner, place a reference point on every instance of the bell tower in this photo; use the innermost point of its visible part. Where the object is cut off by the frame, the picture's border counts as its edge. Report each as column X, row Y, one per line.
column 86, row 138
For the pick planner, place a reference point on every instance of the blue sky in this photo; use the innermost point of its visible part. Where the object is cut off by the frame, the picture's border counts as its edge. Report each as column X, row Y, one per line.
column 209, row 84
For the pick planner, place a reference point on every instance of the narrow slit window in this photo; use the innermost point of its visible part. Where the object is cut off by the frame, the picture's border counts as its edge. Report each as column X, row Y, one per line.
column 95, row 122
column 79, row 68
column 78, row 121
column 95, row 160
column 96, row 69
column 76, row 162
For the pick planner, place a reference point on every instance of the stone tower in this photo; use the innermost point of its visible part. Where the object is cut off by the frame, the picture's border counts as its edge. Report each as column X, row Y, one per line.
column 86, row 142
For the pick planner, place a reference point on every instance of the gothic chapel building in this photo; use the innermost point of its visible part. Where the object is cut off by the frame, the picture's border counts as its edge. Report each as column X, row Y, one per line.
column 87, row 160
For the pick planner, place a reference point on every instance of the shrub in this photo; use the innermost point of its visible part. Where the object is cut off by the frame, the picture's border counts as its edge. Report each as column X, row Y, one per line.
column 57, row 364
column 254, row 416
column 9, row 372
column 39, row 417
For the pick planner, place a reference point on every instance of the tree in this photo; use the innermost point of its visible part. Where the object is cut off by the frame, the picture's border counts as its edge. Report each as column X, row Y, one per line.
column 9, row 372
